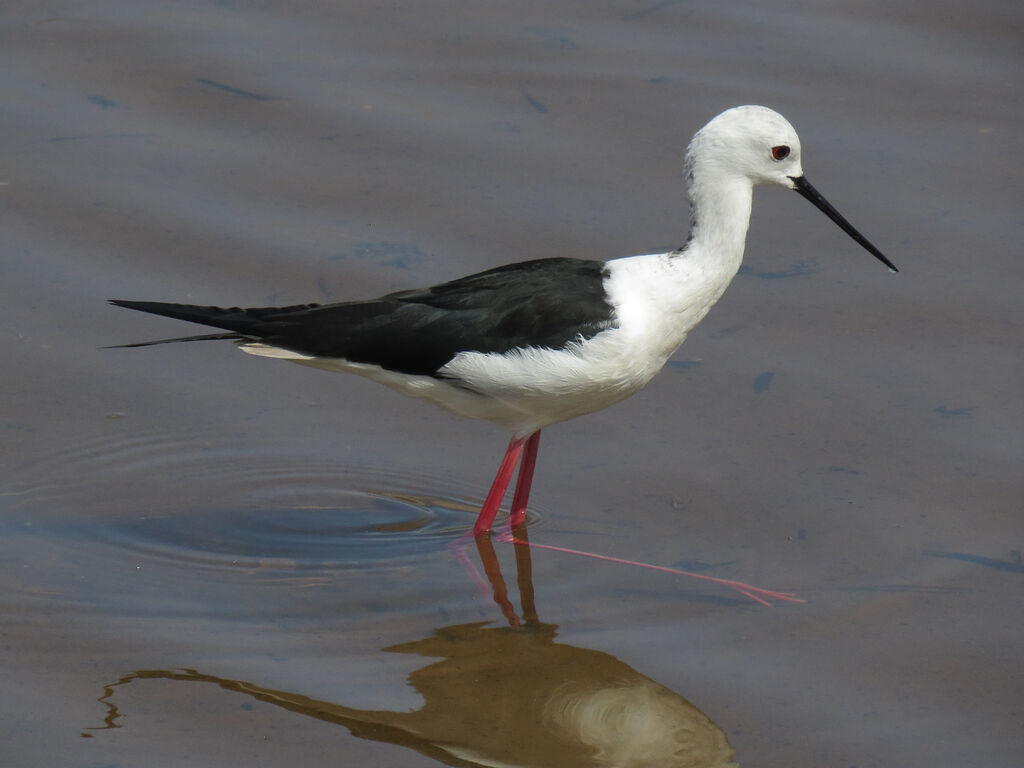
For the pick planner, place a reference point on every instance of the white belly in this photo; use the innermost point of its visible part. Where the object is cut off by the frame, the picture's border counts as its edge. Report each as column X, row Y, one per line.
column 522, row 391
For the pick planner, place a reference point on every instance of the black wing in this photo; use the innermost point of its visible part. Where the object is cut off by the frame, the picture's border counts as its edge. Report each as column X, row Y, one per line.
column 541, row 303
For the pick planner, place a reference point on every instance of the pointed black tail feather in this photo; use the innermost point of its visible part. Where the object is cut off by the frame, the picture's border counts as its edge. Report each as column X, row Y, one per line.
column 203, row 337
column 190, row 312
column 232, row 319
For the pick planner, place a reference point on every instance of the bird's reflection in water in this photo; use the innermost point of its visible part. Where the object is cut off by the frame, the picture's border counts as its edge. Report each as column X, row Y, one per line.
column 512, row 696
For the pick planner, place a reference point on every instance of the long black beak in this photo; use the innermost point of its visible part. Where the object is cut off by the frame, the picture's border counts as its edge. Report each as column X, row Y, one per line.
column 803, row 186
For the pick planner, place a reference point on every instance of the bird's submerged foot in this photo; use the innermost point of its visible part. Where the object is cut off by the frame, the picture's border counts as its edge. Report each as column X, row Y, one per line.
column 523, row 451
column 757, row 594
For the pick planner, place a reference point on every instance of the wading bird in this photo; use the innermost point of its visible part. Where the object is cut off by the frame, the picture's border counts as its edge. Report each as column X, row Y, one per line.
column 538, row 342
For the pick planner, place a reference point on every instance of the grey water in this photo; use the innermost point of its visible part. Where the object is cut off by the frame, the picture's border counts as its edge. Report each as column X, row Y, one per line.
column 215, row 560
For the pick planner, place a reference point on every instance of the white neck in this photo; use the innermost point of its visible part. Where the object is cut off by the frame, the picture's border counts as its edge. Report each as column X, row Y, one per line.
column 658, row 298
column 719, row 217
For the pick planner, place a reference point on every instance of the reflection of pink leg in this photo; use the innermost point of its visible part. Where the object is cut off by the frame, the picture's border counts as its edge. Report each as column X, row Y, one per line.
column 493, row 570
column 518, row 515
column 498, row 487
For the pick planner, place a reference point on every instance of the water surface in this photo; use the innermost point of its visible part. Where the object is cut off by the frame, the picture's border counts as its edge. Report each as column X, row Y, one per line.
column 216, row 560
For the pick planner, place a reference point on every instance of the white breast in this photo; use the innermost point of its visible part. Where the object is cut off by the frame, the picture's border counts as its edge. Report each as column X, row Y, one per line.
column 657, row 298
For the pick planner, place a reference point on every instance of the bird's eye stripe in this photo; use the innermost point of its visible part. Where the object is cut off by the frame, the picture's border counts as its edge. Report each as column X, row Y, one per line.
column 780, row 152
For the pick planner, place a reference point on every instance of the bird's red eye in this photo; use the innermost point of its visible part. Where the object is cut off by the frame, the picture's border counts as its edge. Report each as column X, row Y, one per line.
column 780, row 152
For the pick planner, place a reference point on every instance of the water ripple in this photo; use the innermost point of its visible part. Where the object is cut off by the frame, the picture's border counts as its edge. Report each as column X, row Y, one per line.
column 206, row 504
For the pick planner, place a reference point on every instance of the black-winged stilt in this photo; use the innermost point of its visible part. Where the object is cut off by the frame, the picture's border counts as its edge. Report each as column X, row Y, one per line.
column 538, row 342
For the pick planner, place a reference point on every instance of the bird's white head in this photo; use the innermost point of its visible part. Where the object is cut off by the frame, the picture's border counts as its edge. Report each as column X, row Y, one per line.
column 751, row 142
column 742, row 147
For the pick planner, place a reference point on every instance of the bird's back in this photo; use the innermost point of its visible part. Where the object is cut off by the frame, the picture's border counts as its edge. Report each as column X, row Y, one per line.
column 544, row 303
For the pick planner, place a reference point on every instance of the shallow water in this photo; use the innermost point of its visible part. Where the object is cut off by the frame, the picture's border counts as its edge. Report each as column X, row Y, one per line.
column 213, row 559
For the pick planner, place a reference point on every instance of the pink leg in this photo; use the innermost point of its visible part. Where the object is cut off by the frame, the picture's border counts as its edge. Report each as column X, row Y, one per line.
column 498, row 487
column 518, row 514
